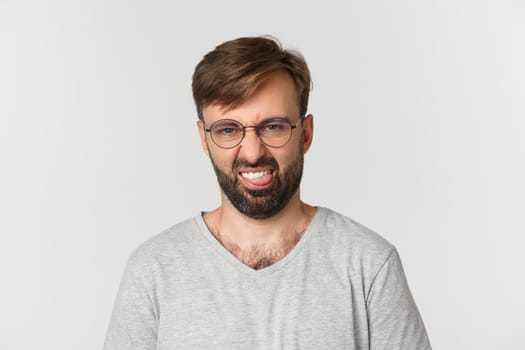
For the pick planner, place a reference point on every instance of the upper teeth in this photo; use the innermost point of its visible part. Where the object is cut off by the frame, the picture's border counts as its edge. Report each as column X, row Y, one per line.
column 256, row 174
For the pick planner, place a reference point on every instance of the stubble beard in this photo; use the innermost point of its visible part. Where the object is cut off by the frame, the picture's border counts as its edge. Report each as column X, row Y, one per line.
column 261, row 204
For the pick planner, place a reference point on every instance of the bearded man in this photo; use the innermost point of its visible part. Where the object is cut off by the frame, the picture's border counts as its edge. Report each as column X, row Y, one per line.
column 264, row 270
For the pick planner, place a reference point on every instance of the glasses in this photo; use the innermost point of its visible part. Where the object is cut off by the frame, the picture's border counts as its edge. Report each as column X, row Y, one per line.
column 273, row 132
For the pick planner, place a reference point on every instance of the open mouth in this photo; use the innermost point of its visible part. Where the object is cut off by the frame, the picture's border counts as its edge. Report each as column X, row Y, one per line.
column 257, row 180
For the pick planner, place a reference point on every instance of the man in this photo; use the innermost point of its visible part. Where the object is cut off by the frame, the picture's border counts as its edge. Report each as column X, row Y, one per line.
column 264, row 270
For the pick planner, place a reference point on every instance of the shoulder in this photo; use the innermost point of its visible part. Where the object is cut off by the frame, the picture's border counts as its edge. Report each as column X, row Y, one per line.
column 166, row 246
column 353, row 234
column 346, row 240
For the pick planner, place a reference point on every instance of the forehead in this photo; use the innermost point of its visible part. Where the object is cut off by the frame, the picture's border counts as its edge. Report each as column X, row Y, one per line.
column 276, row 96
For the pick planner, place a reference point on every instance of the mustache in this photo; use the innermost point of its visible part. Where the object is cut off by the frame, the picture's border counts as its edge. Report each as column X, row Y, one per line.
column 268, row 161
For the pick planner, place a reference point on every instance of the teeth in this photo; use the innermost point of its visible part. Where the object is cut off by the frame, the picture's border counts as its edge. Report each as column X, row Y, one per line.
column 254, row 175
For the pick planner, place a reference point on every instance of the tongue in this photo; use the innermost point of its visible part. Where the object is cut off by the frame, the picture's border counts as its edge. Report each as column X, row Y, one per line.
column 259, row 181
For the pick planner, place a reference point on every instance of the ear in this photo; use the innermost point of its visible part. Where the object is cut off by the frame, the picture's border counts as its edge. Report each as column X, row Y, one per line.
column 202, row 135
column 308, row 132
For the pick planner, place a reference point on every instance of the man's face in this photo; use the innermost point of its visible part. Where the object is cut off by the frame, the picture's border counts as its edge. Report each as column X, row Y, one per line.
column 258, row 180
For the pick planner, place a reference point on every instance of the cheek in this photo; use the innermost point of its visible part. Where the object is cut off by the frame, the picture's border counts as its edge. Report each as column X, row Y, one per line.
column 288, row 158
column 222, row 160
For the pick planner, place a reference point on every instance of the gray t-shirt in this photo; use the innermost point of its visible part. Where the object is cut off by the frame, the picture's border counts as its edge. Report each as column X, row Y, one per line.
column 341, row 287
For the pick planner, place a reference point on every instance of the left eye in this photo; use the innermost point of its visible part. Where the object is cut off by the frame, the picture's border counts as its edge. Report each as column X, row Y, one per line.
column 274, row 126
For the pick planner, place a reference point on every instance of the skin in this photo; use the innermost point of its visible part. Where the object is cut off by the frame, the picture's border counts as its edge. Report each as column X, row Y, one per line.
column 259, row 242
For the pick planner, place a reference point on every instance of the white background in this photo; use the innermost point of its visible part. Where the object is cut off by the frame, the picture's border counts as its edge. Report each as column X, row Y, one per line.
column 419, row 114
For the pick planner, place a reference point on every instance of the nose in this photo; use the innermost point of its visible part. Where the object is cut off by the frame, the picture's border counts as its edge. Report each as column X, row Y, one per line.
column 252, row 149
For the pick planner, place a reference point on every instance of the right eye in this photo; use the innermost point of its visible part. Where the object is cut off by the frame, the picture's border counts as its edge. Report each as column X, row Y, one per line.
column 226, row 131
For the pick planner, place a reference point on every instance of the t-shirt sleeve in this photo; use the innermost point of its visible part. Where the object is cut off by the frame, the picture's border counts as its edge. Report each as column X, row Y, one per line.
column 394, row 320
column 134, row 320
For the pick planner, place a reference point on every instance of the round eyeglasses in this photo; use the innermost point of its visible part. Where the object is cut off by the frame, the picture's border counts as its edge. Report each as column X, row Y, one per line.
column 273, row 132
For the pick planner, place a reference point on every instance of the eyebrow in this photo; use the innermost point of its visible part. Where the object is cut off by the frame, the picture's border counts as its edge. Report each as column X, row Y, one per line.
column 283, row 117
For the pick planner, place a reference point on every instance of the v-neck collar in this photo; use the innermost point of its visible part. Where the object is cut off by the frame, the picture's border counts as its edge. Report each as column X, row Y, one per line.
column 224, row 253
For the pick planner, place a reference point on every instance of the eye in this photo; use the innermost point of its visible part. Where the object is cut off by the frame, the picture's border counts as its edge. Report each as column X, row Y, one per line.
column 275, row 126
column 226, row 129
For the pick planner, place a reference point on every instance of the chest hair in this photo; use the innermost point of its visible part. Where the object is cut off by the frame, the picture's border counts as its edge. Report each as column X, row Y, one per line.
column 262, row 255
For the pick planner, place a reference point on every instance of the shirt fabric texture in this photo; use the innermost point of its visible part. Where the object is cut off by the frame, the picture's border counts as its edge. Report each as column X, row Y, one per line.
column 341, row 287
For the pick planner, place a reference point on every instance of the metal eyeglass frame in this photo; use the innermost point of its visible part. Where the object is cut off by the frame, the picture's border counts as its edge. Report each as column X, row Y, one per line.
column 256, row 127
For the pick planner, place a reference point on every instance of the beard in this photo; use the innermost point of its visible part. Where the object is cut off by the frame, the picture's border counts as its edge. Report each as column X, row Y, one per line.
column 265, row 203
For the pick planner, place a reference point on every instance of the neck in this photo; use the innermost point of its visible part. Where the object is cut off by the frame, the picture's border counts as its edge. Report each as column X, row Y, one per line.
column 260, row 242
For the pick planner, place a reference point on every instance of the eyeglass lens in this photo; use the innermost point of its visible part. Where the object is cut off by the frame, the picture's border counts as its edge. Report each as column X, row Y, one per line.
column 275, row 132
